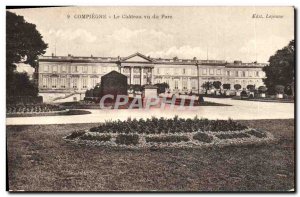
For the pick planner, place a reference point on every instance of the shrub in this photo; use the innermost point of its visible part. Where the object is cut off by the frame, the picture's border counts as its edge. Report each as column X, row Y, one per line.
column 75, row 134
column 232, row 136
column 127, row 139
column 250, row 88
column 217, row 84
column 226, row 86
column 262, row 89
column 257, row 133
column 279, row 89
column 102, row 138
column 203, row 137
column 237, row 86
column 175, row 125
column 172, row 138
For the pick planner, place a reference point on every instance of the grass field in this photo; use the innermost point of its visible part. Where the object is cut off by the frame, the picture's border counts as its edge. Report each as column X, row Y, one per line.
column 40, row 160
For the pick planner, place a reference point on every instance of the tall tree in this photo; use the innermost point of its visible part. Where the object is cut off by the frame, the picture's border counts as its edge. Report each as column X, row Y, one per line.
column 23, row 44
column 281, row 69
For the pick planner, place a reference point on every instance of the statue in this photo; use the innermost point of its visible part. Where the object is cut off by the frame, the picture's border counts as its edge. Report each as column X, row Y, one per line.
column 148, row 77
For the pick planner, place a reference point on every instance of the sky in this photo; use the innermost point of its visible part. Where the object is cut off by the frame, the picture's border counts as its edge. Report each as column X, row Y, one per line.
column 219, row 33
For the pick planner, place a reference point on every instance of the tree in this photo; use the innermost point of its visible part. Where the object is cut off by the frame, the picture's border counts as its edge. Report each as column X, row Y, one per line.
column 250, row 88
column 237, row 87
column 23, row 41
column 217, row 84
column 22, row 86
column 23, row 44
column 162, row 87
column 279, row 89
column 262, row 89
column 207, row 85
column 226, row 86
column 281, row 69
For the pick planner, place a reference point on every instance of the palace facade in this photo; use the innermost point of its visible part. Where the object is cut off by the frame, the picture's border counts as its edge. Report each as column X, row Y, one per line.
column 68, row 77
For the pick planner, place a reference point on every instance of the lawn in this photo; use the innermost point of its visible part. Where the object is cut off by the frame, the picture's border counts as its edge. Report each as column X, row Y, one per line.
column 40, row 160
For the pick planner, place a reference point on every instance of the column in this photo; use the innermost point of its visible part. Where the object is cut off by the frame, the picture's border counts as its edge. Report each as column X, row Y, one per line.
column 142, row 76
column 152, row 76
column 131, row 75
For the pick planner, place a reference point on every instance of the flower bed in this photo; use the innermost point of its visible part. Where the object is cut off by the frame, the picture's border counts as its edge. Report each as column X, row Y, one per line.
column 171, row 138
column 31, row 108
column 174, row 132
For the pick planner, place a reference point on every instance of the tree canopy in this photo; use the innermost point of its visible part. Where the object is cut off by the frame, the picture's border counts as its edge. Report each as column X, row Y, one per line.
column 23, row 41
column 23, row 44
column 281, row 69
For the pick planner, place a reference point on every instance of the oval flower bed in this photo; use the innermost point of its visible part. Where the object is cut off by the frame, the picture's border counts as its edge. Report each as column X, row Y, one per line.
column 176, row 132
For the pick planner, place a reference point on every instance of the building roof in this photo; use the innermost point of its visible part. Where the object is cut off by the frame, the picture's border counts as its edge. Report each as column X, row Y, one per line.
column 138, row 57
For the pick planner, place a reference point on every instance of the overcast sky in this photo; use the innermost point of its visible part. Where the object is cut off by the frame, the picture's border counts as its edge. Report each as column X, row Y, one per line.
column 227, row 33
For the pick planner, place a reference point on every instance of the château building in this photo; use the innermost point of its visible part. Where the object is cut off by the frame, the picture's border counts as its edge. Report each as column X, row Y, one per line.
column 62, row 77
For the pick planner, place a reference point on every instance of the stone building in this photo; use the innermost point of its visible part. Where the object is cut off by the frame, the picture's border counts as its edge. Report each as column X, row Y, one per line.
column 67, row 77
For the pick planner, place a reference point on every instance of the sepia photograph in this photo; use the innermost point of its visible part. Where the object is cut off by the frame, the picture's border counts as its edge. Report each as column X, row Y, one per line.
column 150, row 99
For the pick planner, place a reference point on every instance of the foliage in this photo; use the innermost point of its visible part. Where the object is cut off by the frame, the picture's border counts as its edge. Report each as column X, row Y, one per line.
column 257, row 133
column 135, row 87
column 237, row 86
column 232, row 136
column 217, row 84
column 28, row 108
column 279, row 89
column 244, row 94
column 101, row 138
column 226, row 86
column 127, row 139
column 75, row 134
column 262, row 89
column 281, row 68
column 23, row 44
column 207, row 85
column 23, row 41
column 162, row 125
column 162, row 87
column 203, row 137
column 171, row 138
column 19, row 85
column 250, row 87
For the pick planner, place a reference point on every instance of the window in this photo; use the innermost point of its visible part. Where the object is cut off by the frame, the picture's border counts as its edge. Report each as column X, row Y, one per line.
column 211, row 71
column 84, row 82
column 46, row 68
column 54, row 82
column 194, row 84
column 250, row 73
column 218, row 72
column 94, row 82
column 176, row 85
column 184, row 84
column 204, row 71
column 63, row 82
column 45, row 82
column 228, row 73
column 257, row 73
column 94, row 68
column 183, row 71
column 54, row 69
column 75, row 69
column 74, row 82
column 157, row 71
column 63, row 68
column 244, row 74
column 85, row 69
column 236, row 73
column 136, row 80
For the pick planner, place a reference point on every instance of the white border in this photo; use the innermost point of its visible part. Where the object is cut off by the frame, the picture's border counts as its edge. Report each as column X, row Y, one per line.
column 4, row 3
